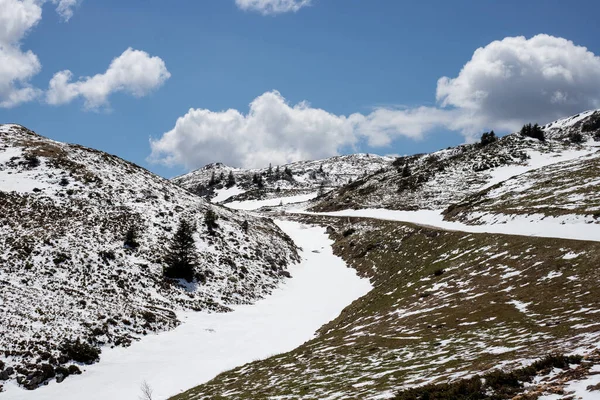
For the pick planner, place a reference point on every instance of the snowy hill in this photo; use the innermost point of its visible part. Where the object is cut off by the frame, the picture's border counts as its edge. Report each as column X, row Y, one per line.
column 437, row 180
column 68, row 284
column 303, row 177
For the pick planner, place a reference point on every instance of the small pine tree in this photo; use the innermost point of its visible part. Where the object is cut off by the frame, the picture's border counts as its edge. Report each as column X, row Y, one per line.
column 277, row 173
column 245, row 226
column 221, row 176
column 321, row 189
column 131, row 237
column 321, row 168
column 181, row 257
column 230, row 179
column 210, row 219
column 270, row 170
column 406, row 172
column 213, row 179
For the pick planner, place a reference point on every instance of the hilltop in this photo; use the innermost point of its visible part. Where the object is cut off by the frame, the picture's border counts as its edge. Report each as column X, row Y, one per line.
column 68, row 282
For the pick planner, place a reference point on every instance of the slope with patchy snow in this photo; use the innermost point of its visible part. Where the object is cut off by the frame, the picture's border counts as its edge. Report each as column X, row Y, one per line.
column 439, row 179
column 65, row 274
column 208, row 343
column 292, row 179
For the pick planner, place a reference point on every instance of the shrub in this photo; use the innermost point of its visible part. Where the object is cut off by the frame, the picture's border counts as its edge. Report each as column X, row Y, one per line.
column 131, row 237
column 488, row 138
column 80, row 351
column 63, row 181
column 210, row 219
column 533, row 131
column 406, row 172
column 576, row 137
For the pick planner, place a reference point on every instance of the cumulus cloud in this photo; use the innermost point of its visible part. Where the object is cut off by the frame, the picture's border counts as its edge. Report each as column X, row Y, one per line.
column 516, row 79
column 64, row 8
column 18, row 66
column 272, row 7
column 505, row 84
column 134, row 72
column 273, row 131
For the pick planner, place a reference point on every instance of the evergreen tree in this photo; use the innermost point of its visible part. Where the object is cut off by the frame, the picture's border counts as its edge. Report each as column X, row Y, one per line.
column 245, row 226
column 488, row 138
column 131, row 237
column 406, row 172
column 213, row 179
column 221, row 176
column 230, row 179
column 210, row 219
column 321, row 189
column 270, row 171
column 533, row 131
column 181, row 257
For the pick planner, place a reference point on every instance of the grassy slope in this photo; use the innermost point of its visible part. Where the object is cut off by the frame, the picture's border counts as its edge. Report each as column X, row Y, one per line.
column 417, row 326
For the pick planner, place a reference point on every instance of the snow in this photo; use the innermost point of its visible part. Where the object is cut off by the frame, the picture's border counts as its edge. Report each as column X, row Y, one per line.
column 256, row 204
column 536, row 160
column 206, row 344
column 224, row 194
column 565, row 227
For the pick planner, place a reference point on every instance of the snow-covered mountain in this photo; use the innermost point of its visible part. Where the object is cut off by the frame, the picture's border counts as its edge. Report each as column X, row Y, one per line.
column 220, row 183
column 69, row 285
column 437, row 180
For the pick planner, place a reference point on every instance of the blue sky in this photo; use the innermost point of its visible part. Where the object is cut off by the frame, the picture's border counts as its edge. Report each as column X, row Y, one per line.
column 343, row 57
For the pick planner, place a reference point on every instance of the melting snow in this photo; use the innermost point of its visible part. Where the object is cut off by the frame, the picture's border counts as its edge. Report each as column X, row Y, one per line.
column 206, row 344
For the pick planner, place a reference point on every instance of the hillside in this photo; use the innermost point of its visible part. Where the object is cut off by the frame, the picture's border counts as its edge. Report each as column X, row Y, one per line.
column 567, row 191
column 303, row 177
column 444, row 305
column 437, row 180
column 493, row 283
column 69, row 285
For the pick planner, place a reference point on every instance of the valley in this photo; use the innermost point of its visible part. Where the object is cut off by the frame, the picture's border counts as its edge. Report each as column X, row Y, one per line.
column 330, row 280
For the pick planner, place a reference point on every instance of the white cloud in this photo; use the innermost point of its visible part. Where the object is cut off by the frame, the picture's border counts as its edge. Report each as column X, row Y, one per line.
column 271, row 7
column 134, row 72
column 17, row 66
column 273, row 131
column 64, row 8
column 505, row 84
column 516, row 80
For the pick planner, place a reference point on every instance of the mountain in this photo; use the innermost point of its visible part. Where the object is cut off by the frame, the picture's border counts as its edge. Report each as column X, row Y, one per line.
column 212, row 181
column 68, row 282
column 437, row 180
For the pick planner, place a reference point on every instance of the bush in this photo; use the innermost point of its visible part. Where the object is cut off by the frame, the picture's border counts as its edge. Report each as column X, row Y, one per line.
column 406, row 172
column 488, row 138
column 576, row 137
column 80, row 352
column 533, row 131
column 210, row 219
column 131, row 237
